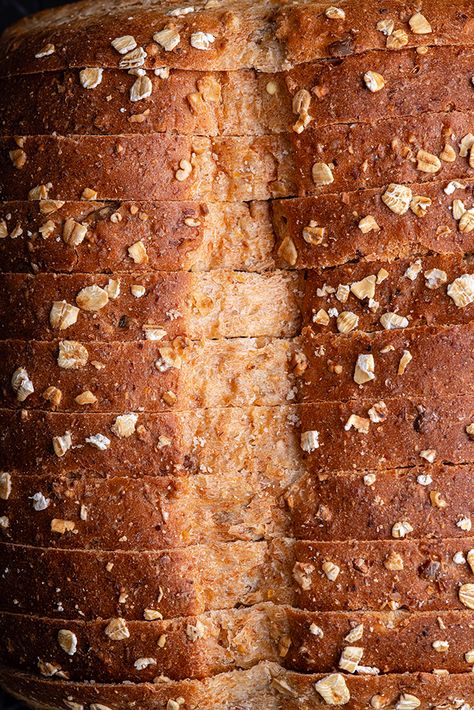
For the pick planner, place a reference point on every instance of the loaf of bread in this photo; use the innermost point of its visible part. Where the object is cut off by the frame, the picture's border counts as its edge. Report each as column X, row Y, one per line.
column 237, row 293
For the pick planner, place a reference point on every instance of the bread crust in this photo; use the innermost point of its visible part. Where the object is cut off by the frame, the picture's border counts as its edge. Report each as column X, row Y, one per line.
column 350, row 506
column 402, row 289
column 266, row 684
column 248, row 34
column 383, row 575
column 228, row 236
column 413, row 425
column 233, row 168
column 152, row 376
column 256, row 438
column 220, row 304
column 393, row 642
column 440, row 361
column 238, row 102
column 399, row 237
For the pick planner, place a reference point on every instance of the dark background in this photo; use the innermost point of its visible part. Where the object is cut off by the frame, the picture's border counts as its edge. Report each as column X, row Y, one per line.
column 10, row 11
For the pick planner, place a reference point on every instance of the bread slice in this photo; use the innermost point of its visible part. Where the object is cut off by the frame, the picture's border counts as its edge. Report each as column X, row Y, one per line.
column 414, row 429
column 176, row 236
column 231, row 169
column 244, row 34
column 355, row 505
column 388, row 575
column 238, row 102
column 171, row 443
column 220, row 304
column 158, row 513
column 265, row 685
column 427, row 361
column 196, row 647
column 386, row 237
column 149, row 376
column 416, row 289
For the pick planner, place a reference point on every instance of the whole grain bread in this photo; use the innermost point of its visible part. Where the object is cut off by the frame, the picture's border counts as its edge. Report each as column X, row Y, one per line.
column 265, row 685
column 109, row 650
column 238, row 102
column 220, row 304
column 171, row 167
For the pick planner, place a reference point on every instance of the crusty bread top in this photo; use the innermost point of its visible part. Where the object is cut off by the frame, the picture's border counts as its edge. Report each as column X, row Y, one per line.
column 265, row 35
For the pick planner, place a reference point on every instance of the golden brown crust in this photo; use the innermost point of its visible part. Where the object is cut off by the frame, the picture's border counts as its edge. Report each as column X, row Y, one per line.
column 238, row 102
column 234, row 168
column 402, row 237
column 247, row 34
column 411, row 575
column 413, row 425
column 83, row 584
column 365, row 506
column 403, row 288
column 392, row 642
column 220, row 304
column 180, row 443
column 265, row 685
column 148, row 513
column 427, row 361
column 150, row 376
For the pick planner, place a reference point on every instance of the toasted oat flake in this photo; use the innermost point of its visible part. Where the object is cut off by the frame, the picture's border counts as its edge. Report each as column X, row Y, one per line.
column 181, row 11
column 322, row 174
column 195, row 631
column 62, row 444
column 39, row 192
column 392, row 321
column 321, row 317
column 470, row 559
column 99, row 441
column 184, row 171
column 40, row 502
column 386, row 26
column 393, row 562
column 466, row 595
column 448, row 155
column 124, row 425
column 355, row 634
column 419, row 25
column 368, row 224
column 374, row 81
column 401, row 530
column 365, row 288
column 68, row 641
column 46, row 51
column 462, row 290
column 133, row 59
column 347, row 322
column 142, row 663
column 364, row 369
column 138, row 253
column 435, row 278
column 398, row 198
column 350, row 658
column 360, row 424
column 458, row 209
column 202, row 40
column 465, row 523
column 314, row 234
column 378, row 412
column 466, row 222
column 287, row 251
column 137, row 290
column 86, row 397
column 469, row 656
column 73, row 232
column 333, row 689
column 168, row 38
column 419, row 205
column 429, row 455
column 124, row 44
column 92, row 298
column 21, row 384
column 62, row 526
column 309, row 441
column 369, row 480
column 5, row 485
column 4, row 522
column 117, row 630
column 72, row 355
column 397, row 39
column 91, row 78
column 331, row 570
column 316, row 630
column 62, row 315
column 405, row 360
column 152, row 615
column 153, row 332
column 141, row 89
column 18, row 157
column 335, row 13
column 3, row 229
column 407, row 702
column 427, row 162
